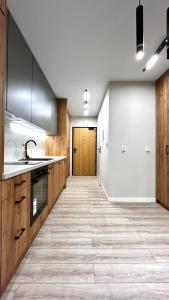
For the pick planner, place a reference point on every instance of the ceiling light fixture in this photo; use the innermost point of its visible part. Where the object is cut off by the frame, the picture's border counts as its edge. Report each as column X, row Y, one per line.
column 86, row 95
column 139, row 32
column 86, row 112
column 152, row 61
column 86, row 105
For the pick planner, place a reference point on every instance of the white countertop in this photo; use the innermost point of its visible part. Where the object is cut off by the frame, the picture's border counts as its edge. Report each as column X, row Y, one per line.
column 14, row 170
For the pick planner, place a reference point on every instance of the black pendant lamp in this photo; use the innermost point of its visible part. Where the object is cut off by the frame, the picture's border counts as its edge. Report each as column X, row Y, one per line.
column 139, row 32
column 167, row 38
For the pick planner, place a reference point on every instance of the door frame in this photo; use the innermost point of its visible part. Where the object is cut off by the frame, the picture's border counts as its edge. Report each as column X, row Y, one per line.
column 74, row 127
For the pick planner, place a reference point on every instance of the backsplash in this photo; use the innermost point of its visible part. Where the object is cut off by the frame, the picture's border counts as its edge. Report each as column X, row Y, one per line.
column 16, row 134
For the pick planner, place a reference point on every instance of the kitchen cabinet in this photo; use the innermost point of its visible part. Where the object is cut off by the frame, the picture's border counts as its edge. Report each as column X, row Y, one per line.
column 19, row 73
column 56, row 181
column 3, row 6
column 162, row 156
column 15, row 224
column 59, row 145
column 2, row 85
column 29, row 94
column 51, row 183
column 50, row 116
column 38, row 96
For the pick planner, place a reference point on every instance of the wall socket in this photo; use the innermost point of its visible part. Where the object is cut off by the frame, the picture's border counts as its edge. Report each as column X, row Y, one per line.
column 123, row 149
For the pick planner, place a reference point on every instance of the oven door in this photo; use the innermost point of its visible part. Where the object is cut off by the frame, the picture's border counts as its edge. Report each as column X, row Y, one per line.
column 39, row 194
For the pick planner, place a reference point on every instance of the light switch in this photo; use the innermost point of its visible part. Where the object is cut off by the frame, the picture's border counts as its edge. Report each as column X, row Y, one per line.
column 148, row 149
column 123, row 149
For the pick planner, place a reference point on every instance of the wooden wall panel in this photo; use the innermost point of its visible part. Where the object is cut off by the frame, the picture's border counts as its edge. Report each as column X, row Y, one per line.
column 162, row 163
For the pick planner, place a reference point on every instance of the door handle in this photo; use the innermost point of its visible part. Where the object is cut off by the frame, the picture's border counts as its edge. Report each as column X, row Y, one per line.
column 74, row 150
column 17, row 237
column 167, row 148
column 19, row 201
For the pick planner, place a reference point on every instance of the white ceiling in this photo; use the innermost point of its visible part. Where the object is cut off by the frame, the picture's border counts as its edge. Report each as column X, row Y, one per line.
column 87, row 43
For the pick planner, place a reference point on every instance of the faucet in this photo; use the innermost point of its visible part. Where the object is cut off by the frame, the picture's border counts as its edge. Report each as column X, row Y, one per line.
column 26, row 148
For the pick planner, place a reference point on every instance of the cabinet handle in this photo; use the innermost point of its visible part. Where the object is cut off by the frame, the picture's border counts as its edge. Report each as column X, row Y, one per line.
column 19, row 201
column 20, row 183
column 17, row 237
column 167, row 149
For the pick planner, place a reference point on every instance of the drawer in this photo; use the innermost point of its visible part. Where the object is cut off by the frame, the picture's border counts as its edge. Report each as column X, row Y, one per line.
column 21, row 181
column 20, row 195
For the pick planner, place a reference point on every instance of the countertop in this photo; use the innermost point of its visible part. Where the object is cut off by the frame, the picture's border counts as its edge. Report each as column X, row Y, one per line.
column 14, row 170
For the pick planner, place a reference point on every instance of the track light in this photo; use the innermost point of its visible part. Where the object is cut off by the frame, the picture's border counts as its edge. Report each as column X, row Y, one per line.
column 155, row 57
column 152, row 62
column 86, row 95
column 86, row 112
column 139, row 32
column 86, row 105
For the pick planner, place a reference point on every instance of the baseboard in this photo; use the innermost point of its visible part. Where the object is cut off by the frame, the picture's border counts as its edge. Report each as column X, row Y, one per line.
column 127, row 199
column 132, row 200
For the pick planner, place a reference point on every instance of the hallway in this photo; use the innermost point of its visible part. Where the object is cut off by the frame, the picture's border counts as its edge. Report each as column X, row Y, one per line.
column 89, row 248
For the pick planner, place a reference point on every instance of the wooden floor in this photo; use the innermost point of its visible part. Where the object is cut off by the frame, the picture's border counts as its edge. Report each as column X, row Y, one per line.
column 91, row 249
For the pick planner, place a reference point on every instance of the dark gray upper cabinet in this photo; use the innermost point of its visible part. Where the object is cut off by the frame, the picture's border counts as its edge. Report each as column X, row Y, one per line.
column 19, row 73
column 51, row 110
column 29, row 94
column 38, row 96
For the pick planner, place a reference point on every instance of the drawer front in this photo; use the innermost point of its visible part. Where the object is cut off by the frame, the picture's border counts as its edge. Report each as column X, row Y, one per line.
column 20, row 195
column 21, row 226
column 22, row 182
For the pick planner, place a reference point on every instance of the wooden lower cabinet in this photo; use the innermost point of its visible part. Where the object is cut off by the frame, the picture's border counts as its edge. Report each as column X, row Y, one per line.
column 15, row 224
column 16, row 233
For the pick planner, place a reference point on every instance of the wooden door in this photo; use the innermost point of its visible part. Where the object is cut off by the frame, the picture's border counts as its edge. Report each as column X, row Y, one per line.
column 84, row 151
column 162, row 182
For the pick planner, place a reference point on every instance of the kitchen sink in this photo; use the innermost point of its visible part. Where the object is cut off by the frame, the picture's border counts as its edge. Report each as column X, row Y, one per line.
column 22, row 163
column 36, row 159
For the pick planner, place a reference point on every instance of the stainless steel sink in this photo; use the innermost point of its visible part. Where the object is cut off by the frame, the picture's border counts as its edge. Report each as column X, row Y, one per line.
column 36, row 159
column 22, row 163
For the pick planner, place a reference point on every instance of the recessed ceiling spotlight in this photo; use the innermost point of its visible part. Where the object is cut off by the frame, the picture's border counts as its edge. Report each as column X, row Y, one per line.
column 86, row 112
column 86, row 95
column 86, row 105
column 139, row 32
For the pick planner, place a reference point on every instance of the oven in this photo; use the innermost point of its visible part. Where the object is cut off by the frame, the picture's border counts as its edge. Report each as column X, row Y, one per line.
column 39, row 192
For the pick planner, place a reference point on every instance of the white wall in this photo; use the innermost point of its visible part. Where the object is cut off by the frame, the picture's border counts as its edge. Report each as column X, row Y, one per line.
column 16, row 134
column 80, row 122
column 103, row 142
column 132, row 111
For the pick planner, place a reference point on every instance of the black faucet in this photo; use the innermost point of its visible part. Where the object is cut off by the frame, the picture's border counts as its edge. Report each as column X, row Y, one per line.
column 26, row 146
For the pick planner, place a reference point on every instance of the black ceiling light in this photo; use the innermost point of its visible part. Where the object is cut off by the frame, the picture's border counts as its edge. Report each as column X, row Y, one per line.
column 139, row 32
column 154, row 58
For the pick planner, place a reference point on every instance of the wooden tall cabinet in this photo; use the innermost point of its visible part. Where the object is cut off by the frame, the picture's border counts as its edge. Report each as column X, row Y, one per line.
column 59, row 145
column 162, row 166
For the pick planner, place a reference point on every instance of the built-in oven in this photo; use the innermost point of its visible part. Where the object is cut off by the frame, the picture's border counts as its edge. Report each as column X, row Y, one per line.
column 39, row 192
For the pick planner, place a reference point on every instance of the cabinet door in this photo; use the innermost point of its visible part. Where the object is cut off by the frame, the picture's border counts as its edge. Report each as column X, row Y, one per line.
column 51, row 183
column 38, row 96
column 162, row 141
column 50, row 111
column 19, row 75
column 7, row 262
column 21, row 227
column 56, row 181
column 3, row 6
